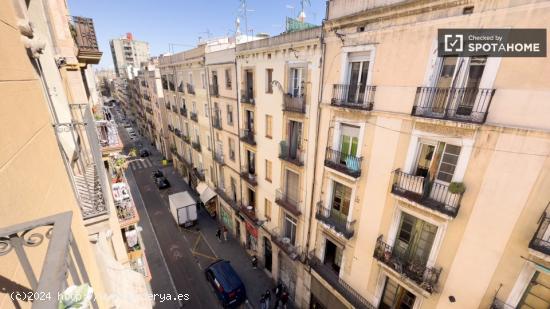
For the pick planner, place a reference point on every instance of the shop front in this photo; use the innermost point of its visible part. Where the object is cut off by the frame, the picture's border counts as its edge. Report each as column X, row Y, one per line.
column 225, row 218
column 206, row 195
column 251, row 236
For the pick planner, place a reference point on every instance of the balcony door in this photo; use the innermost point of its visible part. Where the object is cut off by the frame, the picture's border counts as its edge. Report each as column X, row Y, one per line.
column 294, row 138
column 333, row 256
column 251, row 162
column 537, row 294
column 341, row 200
column 357, row 79
column 414, row 241
column 296, row 83
column 289, row 226
column 249, row 83
column 215, row 79
column 437, row 161
column 395, row 296
column 292, row 189
column 349, row 140
column 250, row 121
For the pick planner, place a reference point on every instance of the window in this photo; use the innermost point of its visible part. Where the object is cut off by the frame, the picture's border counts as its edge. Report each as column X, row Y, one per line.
column 212, row 173
column 233, row 185
column 438, row 159
column 414, row 239
column 229, row 115
column 269, row 79
column 341, row 199
column 296, row 83
column 190, row 75
column 228, row 78
column 194, row 107
column 206, row 110
column 289, row 227
column 396, row 296
column 203, row 80
column 268, row 126
column 183, row 104
column 208, row 139
column 268, row 170
column 348, row 141
column 267, row 210
column 231, row 149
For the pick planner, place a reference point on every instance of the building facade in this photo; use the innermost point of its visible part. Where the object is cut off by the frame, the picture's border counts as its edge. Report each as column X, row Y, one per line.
column 421, row 202
column 128, row 54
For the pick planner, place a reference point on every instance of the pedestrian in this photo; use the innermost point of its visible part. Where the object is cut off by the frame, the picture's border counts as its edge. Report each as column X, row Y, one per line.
column 262, row 302
column 278, row 291
column 254, row 261
column 284, row 298
column 225, row 232
column 219, row 235
column 267, row 297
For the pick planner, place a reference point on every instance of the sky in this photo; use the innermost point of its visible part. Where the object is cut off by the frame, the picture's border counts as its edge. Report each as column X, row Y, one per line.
column 176, row 25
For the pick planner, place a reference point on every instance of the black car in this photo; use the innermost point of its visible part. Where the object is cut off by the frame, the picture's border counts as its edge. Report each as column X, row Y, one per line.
column 162, row 182
column 144, row 153
column 157, row 174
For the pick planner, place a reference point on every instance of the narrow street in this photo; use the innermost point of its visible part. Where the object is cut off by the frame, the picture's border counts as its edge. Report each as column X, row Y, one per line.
column 178, row 256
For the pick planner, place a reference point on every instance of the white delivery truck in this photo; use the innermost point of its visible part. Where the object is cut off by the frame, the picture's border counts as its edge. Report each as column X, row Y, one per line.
column 184, row 208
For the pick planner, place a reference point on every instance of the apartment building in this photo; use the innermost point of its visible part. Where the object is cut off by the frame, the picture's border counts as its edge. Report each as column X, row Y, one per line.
column 65, row 208
column 278, row 83
column 128, row 54
column 432, row 172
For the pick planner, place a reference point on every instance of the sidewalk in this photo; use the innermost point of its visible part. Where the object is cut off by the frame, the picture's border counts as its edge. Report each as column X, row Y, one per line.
column 256, row 280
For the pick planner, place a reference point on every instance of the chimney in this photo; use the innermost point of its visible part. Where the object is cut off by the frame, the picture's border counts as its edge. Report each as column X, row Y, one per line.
column 129, row 36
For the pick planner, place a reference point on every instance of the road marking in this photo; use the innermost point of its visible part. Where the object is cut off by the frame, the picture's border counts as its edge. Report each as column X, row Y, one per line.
column 157, row 242
column 196, row 243
column 208, row 244
column 204, row 255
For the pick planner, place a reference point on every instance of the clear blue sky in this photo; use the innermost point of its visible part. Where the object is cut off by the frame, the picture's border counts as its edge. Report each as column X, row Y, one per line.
column 161, row 22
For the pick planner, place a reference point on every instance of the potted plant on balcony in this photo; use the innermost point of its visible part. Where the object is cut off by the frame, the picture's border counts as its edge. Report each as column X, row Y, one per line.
column 457, row 187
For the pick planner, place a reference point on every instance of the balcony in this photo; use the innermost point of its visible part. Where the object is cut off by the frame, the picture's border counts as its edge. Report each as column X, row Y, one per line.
column 183, row 111
column 193, row 116
column 216, row 122
column 181, row 88
column 109, row 139
column 83, row 32
column 283, row 242
column 499, row 304
column 177, row 132
column 287, row 202
column 540, row 241
column 199, row 173
column 167, row 105
column 62, row 262
column 294, row 156
column 344, row 163
column 214, row 90
column 336, row 221
column 294, row 104
column 247, row 136
column 249, row 212
column 170, row 128
column 458, row 104
column 425, row 277
column 186, row 138
column 249, row 176
column 190, row 89
column 332, row 278
column 247, row 97
column 232, row 202
column 196, row 145
column 174, row 109
column 432, row 195
column 149, row 110
column 353, row 96
column 126, row 209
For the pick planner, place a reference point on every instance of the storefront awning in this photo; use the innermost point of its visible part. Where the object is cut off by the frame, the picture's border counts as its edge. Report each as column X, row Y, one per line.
column 206, row 194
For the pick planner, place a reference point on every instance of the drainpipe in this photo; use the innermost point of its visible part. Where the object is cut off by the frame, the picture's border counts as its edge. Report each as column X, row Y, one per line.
column 238, row 127
column 319, row 99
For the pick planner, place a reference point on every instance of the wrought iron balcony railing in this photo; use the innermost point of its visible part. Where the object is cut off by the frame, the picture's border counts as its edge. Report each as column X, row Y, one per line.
column 83, row 32
column 62, row 263
column 296, row 104
column 426, row 277
column 247, row 96
column 293, row 155
column 288, row 202
column 196, row 145
column 285, row 243
column 249, row 175
column 218, row 155
column 336, row 220
column 217, row 122
column 214, row 90
column 167, row 105
column 430, row 194
column 170, row 128
column 541, row 239
column 183, row 111
column 458, row 104
column 193, row 116
column 342, row 162
column 249, row 211
column 190, row 89
column 180, row 87
column 499, row 304
column 199, row 173
column 229, row 200
column 353, row 96
column 350, row 294
column 177, row 132
column 174, row 109
column 186, row 138
column 247, row 136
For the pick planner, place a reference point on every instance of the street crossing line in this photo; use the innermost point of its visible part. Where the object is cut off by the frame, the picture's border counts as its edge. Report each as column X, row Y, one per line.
column 141, row 164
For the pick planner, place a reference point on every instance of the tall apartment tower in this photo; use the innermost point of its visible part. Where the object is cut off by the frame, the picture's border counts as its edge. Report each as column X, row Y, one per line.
column 128, row 54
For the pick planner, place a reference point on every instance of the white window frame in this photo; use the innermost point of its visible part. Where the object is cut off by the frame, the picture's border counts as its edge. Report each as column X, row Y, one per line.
column 329, row 195
column 381, row 282
column 345, row 59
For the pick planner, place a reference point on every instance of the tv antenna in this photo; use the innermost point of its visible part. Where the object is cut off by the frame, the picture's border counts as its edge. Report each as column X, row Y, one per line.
column 244, row 13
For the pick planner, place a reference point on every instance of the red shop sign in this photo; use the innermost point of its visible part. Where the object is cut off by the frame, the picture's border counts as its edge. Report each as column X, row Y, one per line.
column 251, row 229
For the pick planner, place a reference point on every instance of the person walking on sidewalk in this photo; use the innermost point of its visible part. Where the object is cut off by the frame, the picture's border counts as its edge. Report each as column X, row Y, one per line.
column 284, row 298
column 254, row 261
column 219, row 234
column 225, row 232
column 267, row 297
column 278, row 291
column 262, row 302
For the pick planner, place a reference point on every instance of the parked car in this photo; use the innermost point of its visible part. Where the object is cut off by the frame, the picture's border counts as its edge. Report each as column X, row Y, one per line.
column 157, row 174
column 227, row 285
column 144, row 153
column 162, row 182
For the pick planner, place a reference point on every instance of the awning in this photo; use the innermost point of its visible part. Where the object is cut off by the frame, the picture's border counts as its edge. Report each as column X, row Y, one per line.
column 206, row 194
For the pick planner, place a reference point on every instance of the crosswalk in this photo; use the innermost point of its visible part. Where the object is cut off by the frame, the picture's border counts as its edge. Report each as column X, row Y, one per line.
column 140, row 164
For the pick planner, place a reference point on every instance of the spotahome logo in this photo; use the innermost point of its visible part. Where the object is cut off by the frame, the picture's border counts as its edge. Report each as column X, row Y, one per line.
column 492, row 42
